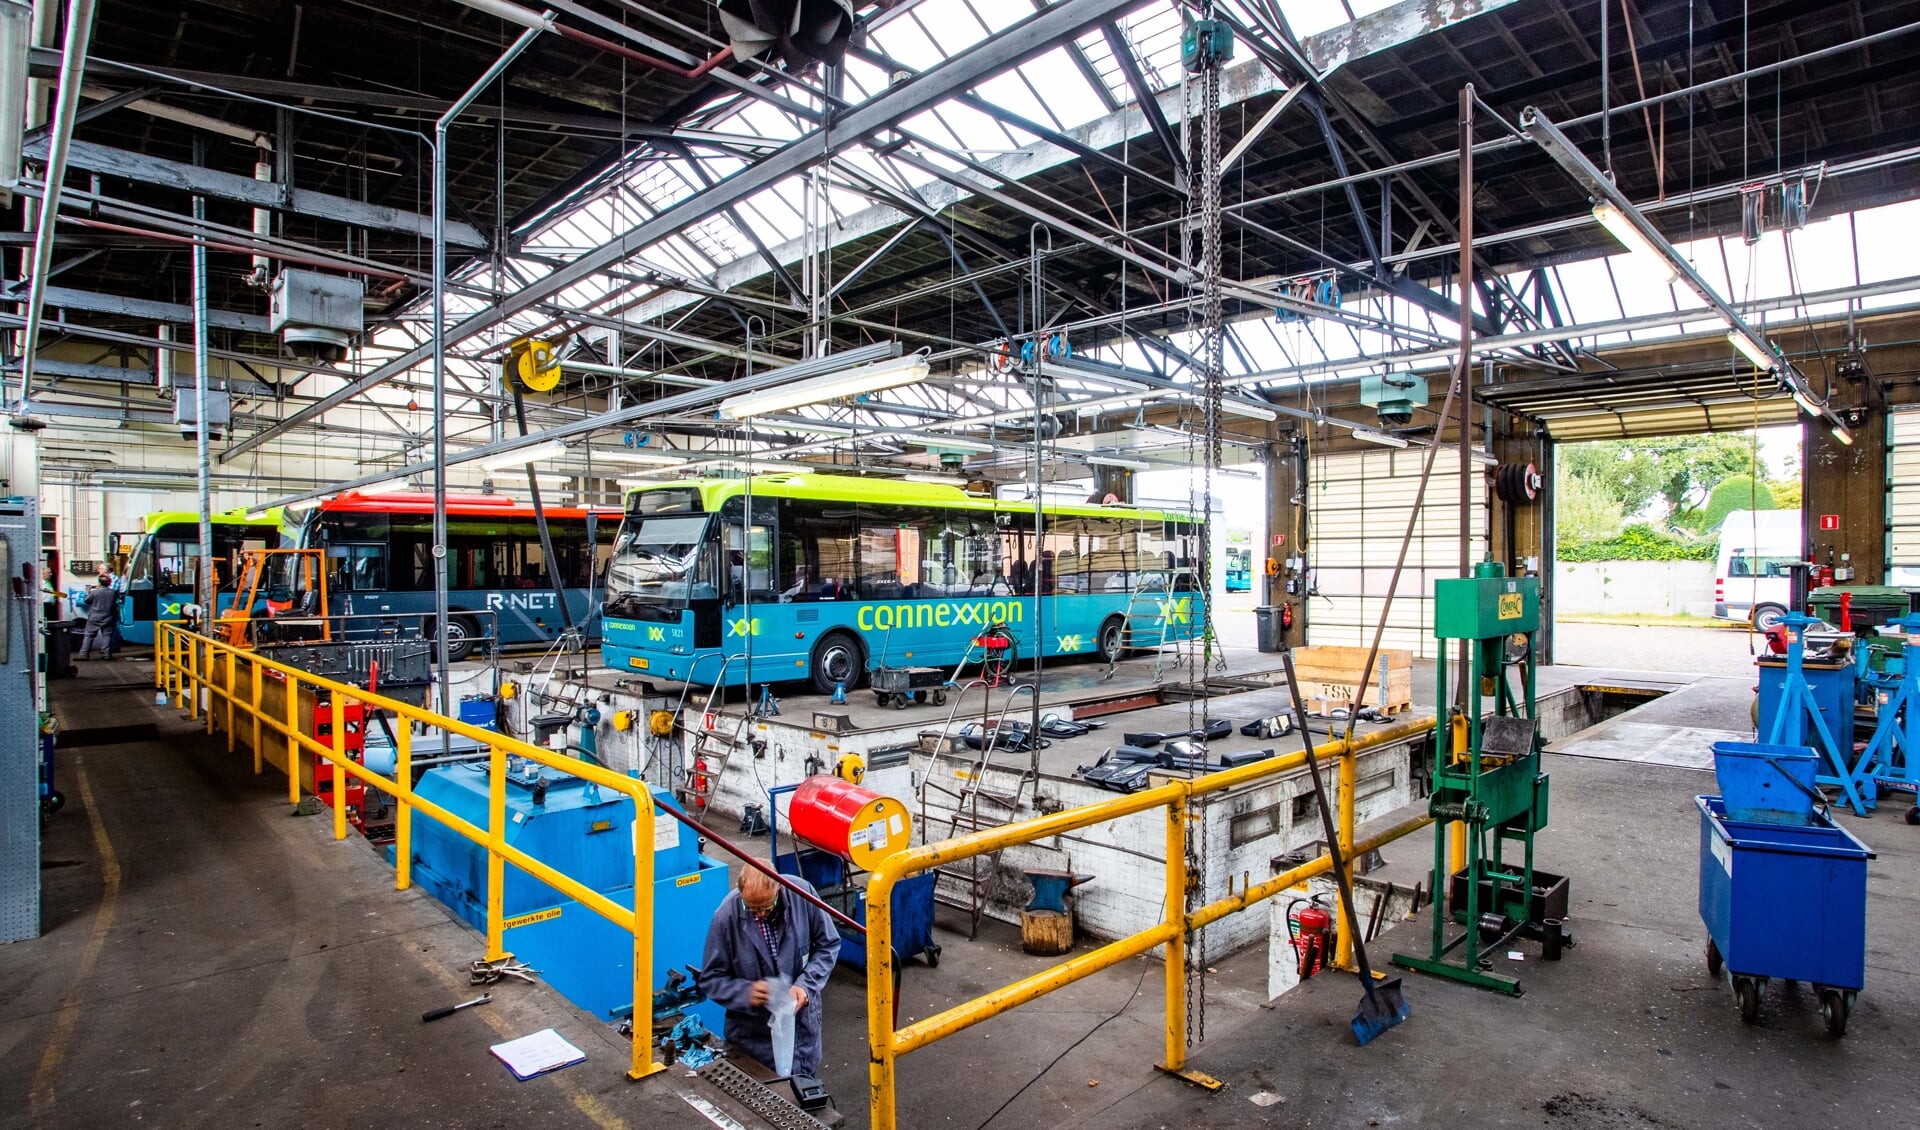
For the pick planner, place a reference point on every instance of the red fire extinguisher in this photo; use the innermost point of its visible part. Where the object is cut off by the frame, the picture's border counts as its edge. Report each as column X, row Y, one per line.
column 699, row 782
column 1309, row 927
column 1286, row 616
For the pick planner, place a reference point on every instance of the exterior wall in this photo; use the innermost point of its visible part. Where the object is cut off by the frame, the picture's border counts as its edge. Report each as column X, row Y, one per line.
column 1658, row 588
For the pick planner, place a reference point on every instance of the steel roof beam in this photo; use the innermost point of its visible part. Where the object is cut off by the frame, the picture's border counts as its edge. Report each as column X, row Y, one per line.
column 923, row 91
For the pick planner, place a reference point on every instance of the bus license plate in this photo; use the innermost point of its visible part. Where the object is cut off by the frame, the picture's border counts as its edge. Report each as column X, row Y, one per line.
column 637, row 661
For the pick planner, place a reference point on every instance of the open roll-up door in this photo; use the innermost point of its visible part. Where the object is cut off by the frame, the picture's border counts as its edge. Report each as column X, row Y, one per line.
column 1358, row 510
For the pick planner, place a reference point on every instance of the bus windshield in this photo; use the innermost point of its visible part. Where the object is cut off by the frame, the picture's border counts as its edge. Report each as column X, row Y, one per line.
column 654, row 564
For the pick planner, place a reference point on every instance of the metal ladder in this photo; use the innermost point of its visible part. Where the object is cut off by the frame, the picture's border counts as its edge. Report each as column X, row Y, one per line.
column 711, row 749
column 971, row 874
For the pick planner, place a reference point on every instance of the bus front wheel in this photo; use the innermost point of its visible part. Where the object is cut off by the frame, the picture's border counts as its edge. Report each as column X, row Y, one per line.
column 836, row 661
column 1113, row 640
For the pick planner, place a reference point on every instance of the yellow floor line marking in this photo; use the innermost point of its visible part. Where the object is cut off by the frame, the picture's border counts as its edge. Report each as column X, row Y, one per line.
column 42, row 1094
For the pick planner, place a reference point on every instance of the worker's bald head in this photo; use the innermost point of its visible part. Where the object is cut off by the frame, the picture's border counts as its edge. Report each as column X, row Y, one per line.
column 758, row 890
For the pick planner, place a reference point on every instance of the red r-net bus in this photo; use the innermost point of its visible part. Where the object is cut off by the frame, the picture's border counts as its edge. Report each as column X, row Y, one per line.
column 380, row 552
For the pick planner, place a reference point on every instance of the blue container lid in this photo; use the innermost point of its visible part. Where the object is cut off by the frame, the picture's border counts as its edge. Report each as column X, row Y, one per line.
column 1766, row 784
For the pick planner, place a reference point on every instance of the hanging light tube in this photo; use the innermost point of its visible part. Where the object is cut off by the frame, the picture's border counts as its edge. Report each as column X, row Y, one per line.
column 1384, row 439
column 1806, row 402
column 1757, row 352
column 949, row 443
column 877, row 377
column 637, row 455
column 1233, row 406
column 1842, row 433
column 1634, row 240
column 519, row 457
column 1116, row 461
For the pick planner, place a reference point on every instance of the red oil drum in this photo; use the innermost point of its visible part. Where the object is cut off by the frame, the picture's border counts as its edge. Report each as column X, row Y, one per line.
column 853, row 823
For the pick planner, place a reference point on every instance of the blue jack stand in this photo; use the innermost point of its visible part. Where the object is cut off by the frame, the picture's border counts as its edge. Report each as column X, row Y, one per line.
column 769, row 705
column 840, row 694
column 1889, row 761
column 1797, row 706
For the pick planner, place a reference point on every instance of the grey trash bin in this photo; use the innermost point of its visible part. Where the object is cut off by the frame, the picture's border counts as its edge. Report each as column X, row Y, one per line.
column 1267, row 617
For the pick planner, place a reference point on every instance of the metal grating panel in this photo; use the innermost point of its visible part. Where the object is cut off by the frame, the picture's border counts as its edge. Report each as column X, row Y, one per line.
column 19, row 728
column 1358, row 506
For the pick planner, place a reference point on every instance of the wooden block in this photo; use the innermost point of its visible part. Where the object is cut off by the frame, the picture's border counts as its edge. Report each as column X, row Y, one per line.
column 1046, row 933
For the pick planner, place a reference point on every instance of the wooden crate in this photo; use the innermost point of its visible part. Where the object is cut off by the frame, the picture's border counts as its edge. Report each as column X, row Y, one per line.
column 1330, row 677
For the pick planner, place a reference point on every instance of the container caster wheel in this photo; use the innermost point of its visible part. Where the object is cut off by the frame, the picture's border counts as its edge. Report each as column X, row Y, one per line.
column 933, row 957
column 940, row 699
column 900, row 701
column 1714, row 961
column 1833, row 1009
column 1746, row 992
column 1913, row 814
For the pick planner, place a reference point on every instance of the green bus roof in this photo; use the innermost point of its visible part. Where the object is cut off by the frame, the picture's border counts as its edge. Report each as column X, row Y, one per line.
column 895, row 492
column 236, row 517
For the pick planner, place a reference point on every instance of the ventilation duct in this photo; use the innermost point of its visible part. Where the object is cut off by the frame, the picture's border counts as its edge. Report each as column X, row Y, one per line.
column 797, row 32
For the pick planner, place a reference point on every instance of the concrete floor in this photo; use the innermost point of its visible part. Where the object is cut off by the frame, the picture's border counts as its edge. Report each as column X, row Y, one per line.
column 209, row 961
column 1709, row 649
column 249, row 969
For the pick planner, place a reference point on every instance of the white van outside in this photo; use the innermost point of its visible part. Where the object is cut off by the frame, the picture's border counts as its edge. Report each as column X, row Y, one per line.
column 1750, row 571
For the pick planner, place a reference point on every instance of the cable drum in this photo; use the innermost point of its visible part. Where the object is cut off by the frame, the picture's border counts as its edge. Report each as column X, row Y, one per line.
column 1517, row 484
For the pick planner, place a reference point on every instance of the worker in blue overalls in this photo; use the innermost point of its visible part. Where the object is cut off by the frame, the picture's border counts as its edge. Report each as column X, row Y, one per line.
column 763, row 936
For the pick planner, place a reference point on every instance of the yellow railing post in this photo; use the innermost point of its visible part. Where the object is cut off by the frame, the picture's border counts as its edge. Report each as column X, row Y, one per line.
column 643, row 818
column 1176, row 964
column 497, row 864
column 160, row 656
column 880, row 1034
column 254, row 708
column 403, row 812
column 233, row 694
column 193, row 678
column 1343, row 933
column 293, row 738
column 339, row 765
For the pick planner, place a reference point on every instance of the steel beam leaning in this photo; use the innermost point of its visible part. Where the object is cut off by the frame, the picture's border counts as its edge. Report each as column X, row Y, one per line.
column 921, row 92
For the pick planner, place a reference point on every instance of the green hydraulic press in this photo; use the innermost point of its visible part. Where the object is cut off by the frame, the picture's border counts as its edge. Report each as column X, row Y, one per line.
column 1489, row 794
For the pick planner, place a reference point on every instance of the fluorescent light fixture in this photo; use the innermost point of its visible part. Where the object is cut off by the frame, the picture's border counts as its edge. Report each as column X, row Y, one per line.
column 1807, row 403
column 257, row 513
column 1486, row 458
column 1116, row 461
column 808, row 427
column 630, row 483
column 1634, row 240
column 638, row 455
column 1384, row 439
column 522, row 456
column 307, row 503
column 1233, row 406
column 1757, row 352
column 949, row 443
column 751, row 466
column 1841, row 433
column 936, row 480
column 386, row 486
column 879, row 376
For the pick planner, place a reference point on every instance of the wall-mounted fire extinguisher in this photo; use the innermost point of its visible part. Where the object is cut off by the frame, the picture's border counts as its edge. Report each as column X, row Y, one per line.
column 1286, row 616
column 1309, row 928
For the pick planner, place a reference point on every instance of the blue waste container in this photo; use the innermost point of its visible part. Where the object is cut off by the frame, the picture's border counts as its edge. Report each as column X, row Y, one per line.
column 1785, row 901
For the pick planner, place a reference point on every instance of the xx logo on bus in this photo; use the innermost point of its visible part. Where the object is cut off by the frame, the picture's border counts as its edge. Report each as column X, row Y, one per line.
column 171, row 609
column 1177, row 611
column 1070, row 643
column 656, row 633
column 745, row 627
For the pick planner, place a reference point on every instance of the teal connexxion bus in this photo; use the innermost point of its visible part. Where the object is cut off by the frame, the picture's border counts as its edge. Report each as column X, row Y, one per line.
column 823, row 577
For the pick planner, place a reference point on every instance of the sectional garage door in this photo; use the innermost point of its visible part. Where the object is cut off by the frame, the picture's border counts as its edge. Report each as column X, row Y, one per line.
column 1903, row 497
column 1358, row 507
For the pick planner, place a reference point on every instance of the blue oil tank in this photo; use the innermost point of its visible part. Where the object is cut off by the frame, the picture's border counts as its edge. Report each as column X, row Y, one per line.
column 586, row 833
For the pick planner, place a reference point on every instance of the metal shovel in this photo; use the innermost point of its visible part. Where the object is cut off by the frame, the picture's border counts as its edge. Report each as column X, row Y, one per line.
column 1384, row 1005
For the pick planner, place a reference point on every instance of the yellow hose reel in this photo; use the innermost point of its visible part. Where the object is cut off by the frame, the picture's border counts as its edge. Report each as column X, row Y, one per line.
column 534, row 365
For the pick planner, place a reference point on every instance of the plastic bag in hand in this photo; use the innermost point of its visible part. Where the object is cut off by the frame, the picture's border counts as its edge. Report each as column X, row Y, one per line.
column 782, row 1008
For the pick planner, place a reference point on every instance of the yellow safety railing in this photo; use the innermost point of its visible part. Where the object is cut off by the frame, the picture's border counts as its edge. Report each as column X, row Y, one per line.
column 889, row 1043
column 199, row 673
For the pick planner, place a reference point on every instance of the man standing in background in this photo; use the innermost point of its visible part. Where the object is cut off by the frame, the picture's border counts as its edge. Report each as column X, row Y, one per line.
column 102, row 610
